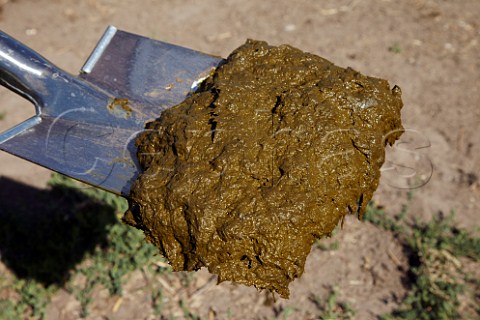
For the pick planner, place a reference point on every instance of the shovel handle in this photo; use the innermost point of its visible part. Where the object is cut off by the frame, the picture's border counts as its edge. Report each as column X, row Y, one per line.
column 25, row 72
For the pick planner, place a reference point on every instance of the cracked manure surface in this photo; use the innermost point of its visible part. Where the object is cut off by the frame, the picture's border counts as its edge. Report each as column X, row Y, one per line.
column 271, row 152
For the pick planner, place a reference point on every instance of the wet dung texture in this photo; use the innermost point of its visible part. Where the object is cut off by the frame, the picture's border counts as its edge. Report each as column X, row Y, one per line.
column 271, row 152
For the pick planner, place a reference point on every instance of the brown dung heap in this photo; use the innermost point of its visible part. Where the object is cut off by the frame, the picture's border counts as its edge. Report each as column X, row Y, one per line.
column 269, row 154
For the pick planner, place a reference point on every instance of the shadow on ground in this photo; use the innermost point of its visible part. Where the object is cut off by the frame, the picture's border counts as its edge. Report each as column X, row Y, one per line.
column 45, row 233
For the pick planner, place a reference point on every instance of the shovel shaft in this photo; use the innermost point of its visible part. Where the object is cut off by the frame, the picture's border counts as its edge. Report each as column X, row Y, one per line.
column 24, row 71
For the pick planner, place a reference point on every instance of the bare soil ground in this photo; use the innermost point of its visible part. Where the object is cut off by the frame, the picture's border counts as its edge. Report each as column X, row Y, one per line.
column 427, row 47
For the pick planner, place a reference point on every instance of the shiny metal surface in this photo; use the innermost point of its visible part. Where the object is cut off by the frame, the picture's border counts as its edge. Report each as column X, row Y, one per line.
column 99, row 49
column 86, row 125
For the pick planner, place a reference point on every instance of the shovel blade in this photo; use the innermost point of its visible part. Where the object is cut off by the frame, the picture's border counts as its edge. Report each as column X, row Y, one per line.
column 142, row 77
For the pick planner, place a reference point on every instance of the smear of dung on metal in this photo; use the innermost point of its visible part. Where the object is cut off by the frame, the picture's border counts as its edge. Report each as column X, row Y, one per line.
column 270, row 153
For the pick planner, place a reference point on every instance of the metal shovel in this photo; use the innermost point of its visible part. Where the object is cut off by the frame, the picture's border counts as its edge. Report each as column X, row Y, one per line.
column 85, row 126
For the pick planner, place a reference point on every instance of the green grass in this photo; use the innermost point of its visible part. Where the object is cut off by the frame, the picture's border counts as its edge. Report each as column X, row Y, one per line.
column 34, row 298
column 331, row 308
column 2, row 115
column 124, row 251
column 116, row 251
column 325, row 245
column 287, row 312
column 379, row 217
column 437, row 279
column 187, row 314
column 157, row 301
